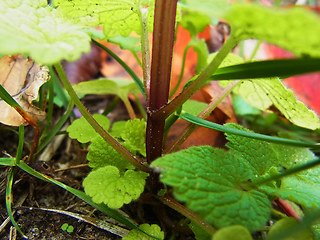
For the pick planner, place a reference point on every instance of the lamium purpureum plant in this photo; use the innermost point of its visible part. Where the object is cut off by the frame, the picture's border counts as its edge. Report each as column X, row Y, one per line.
column 220, row 192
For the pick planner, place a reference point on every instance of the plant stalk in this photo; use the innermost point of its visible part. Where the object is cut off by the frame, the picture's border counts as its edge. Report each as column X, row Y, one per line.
column 145, row 50
column 187, row 131
column 110, row 140
column 198, row 82
column 159, row 84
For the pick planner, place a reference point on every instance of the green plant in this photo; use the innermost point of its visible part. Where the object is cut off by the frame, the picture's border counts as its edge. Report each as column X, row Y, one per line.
column 68, row 228
column 220, row 188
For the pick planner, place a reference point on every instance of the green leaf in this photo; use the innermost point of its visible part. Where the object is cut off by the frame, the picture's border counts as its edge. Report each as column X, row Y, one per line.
column 119, row 87
column 263, row 155
column 117, row 129
column 292, row 28
column 37, row 30
column 284, row 228
column 207, row 179
column 242, row 108
column 215, row 183
column 133, row 135
column 200, row 47
column 81, row 130
column 297, row 189
column 263, row 93
column 193, row 107
column 127, row 43
column 213, row 9
column 118, row 17
column 227, row 233
column 101, row 154
column 194, row 22
column 153, row 230
column 107, row 185
column 64, row 226
column 316, row 231
column 198, row 232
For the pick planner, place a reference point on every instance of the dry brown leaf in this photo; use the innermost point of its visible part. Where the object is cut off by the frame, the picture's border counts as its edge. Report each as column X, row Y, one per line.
column 22, row 79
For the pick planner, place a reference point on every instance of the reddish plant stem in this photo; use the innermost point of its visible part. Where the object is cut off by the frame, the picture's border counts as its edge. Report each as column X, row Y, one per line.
column 172, row 203
column 287, row 208
column 158, row 86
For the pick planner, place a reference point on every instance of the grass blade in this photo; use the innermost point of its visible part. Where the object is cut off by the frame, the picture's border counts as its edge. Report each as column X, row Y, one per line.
column 271, row 68
column 9, row 201
column 7, row 162
column 218, row 127
column 5, row 96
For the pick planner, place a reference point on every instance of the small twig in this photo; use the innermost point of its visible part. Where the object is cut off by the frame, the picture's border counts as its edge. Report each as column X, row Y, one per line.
column 72, row 167
column 172, row 203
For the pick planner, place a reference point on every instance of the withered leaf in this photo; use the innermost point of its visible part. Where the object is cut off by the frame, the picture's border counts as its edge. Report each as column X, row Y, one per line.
column 22, row 79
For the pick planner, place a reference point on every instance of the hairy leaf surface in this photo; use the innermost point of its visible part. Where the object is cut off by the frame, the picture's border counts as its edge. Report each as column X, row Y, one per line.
column 263, row 155
column 207, row 179
column 133, row 135
column 37, row 30
column 101, row 154
column 107, row 185
column 215, row 183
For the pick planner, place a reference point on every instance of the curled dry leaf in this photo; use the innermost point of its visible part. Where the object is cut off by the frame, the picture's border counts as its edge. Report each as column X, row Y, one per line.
column 22, row 79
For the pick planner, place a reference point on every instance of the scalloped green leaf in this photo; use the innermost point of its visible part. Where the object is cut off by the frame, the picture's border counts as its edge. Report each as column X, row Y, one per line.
column 292, row 28
column 263, row 93
column 81, row 130
column 107, row 185
column 208, row 180
column 230, row 232
column 133, row 135
column 34, row 29
column 214, row 182
column 119, row 87
column 263, row 155
column 118, row 17
column 101, row 154
column 153, row 230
